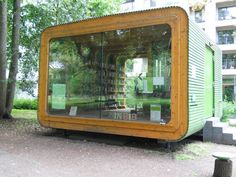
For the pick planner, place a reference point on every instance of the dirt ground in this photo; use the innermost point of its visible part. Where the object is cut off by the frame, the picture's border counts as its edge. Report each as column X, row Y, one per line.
column 27, row 150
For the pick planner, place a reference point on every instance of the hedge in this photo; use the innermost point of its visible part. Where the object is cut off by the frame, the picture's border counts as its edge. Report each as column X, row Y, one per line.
column 25, row 104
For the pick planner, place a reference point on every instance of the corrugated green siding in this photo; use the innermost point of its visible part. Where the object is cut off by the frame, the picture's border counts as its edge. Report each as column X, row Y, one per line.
column 198, row 42
column 209, row 81
column 218, row 83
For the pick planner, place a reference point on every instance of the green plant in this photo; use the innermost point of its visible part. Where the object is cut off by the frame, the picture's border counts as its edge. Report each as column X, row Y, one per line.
column 26, row 114
column 229, row 109
column 25, row 104
column 228, row 94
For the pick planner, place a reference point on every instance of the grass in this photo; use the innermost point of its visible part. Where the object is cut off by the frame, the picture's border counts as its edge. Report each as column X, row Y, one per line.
column 24, row 121
column 192, row 150
column 25, row 114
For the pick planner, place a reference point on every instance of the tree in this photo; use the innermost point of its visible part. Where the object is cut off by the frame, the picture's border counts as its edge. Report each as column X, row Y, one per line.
column 11, row 84
column 3, row 55
column 36, row 17
column 27, row 26
column 8, row 87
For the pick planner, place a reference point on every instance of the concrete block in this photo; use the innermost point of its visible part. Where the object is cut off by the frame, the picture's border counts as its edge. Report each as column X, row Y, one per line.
column 209, row 123
column 234, row 142
column 234, row 139
column 207, row 133
column 208, row 128
column 227, row 139
column 232, row 122
column 217, row 134
column 212, row 121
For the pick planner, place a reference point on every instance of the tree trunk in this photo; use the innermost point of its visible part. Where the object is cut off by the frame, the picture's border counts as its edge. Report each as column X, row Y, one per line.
column 3, row 50
column 223, row 168
column 14, row 61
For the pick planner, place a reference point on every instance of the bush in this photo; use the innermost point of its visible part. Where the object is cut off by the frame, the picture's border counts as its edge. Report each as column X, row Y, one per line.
column 229, row 110
column 228, row 93
column 25, row 104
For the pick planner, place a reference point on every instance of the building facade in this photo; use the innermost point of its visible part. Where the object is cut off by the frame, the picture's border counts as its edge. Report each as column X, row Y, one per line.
column 218, row 19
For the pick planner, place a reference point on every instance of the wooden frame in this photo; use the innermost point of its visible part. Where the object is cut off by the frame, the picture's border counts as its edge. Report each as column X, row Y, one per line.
column 178, row 126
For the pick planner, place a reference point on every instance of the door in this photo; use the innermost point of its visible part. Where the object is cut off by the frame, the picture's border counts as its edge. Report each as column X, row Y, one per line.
column 209, row 82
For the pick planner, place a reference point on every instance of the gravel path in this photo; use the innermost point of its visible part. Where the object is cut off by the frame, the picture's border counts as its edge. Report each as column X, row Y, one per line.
column 27, row 150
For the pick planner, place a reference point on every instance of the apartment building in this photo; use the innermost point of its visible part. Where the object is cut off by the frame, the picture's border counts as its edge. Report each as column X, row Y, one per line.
column 217, row 18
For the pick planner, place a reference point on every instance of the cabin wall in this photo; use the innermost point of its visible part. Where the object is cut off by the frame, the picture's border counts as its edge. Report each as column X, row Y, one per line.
column 188, row 77
column 88, row 118
column 218, row 83
column 198, row 44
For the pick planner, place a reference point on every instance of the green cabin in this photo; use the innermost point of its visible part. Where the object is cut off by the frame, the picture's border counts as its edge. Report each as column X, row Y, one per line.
column 150, row 73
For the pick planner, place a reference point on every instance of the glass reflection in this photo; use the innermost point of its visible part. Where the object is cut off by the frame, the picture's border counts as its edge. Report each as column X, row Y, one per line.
column 140, row 82
column 122, row 74
column 74, row 76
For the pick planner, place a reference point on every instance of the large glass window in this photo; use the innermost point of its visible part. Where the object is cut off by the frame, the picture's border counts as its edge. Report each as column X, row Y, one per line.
column 226, row 37
column 74, row 75
column 227, row 13
column 122, row 74
column 229, row 61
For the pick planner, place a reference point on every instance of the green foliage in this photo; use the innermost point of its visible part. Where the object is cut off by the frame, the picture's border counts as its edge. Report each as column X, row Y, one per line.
column 98, row 8
column 73, row 10
column 64, row 54
column 24, row 113
column 36, row 17
column 129, row 65
column 228, row 93
column 87, row 82
column 9, row 28
column 25, row 104
column 229, row 109
column 33, row 22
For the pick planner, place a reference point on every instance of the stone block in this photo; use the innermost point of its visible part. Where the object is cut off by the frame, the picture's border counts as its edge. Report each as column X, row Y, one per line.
column 208, row 128
column 207, row 133
column 217, row 135
column 227, row 138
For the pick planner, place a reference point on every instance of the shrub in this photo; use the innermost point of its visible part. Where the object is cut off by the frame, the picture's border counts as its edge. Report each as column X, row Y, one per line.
column 25, row 104
column 228, row 94
column 229, row 110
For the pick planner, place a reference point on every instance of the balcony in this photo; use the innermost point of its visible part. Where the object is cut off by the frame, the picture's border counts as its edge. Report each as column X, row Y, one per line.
column 226, row 23
column 229, row 64
column 228, row 72
column 227, row 47
column 227, row 40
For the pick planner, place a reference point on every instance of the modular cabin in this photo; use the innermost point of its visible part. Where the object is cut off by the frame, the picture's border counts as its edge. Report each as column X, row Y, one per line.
column 150, row 73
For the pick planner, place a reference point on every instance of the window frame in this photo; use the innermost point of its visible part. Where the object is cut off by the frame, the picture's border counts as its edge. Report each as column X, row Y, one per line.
column 178, row 21
column 221, row 18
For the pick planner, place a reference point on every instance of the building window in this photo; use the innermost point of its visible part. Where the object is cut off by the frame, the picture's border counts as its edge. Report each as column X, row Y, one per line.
column 128, row 1
column 199, row 16
column 229, row 61
column 122, row 74
column 153, row 3
column 227, row 13
column 226, row 37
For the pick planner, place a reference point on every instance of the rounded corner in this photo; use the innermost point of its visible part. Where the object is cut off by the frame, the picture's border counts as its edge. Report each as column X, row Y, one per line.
column 183, row 11
column 42, row 122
